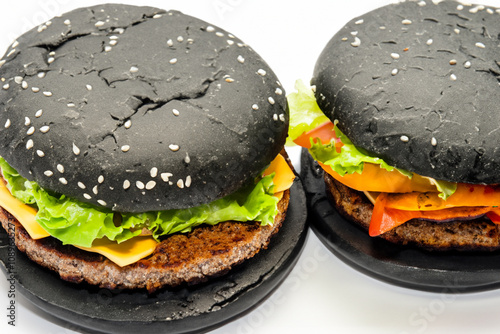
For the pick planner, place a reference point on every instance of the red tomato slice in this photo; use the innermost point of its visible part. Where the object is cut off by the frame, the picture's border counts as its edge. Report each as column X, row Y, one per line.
column 325, row 132
column 385, row 219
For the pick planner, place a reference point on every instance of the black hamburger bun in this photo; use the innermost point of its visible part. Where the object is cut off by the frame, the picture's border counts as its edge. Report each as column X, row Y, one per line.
column 141, row 109
column 417, row 84
column 136, row 109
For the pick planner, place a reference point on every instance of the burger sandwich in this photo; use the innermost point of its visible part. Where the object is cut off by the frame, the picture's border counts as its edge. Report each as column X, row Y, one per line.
column 140, row 148
column 403, row 116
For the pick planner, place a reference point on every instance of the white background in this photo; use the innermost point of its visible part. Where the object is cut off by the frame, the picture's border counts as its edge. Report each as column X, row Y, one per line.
column 322, row 294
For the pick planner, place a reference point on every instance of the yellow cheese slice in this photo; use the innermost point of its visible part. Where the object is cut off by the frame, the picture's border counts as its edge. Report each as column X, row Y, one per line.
column 279, row 195
column 283, row 179
column 124, row 253
column 25, row 214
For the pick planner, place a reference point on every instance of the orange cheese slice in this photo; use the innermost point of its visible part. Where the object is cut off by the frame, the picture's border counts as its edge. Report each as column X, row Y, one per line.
column 125, row 253
column 279, row 195
column 471, row 195
column 375, row 178
column 283, row 177
column 25, row 214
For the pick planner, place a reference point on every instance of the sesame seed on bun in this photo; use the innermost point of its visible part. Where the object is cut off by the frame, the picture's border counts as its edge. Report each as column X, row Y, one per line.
column 417, row 84
column 138, row 109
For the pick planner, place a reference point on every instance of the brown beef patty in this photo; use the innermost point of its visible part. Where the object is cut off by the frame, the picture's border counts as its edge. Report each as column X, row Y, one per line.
column 141, row 110
column 473, row 234
column 207, row 251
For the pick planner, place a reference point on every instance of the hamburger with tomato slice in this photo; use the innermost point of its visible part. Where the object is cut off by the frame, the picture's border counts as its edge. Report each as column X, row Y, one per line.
column 140, row 148
column 403, row 116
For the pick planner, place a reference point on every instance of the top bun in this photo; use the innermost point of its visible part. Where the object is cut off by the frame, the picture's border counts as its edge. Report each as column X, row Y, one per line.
column 138, row 109
column 417, row 84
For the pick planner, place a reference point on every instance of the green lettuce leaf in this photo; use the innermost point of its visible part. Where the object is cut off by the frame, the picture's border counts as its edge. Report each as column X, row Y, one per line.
column 350, row 159
column 305, row 115
column 445, row 188
column 16, row 183
column 77, row 223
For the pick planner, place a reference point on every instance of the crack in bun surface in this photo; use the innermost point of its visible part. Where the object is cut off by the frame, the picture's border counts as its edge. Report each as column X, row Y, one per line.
column 417, row 84
column 138, row 109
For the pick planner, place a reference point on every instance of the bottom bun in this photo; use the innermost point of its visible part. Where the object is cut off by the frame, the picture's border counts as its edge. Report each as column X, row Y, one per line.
column 474, row 234
column 205, row 252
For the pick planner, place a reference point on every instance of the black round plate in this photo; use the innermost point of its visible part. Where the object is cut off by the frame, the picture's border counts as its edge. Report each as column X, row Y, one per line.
column 450, row 272
column 187, row 309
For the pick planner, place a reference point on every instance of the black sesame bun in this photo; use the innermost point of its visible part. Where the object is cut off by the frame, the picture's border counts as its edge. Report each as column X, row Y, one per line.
column 138, row 109
column 417, row 84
